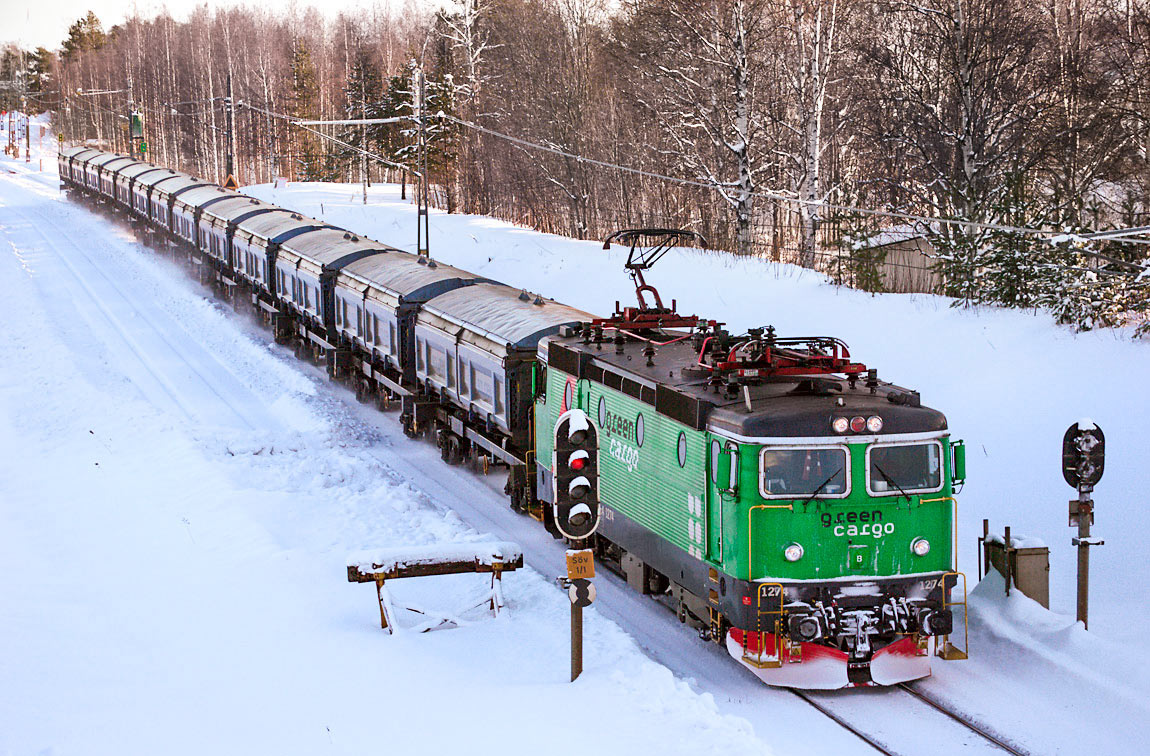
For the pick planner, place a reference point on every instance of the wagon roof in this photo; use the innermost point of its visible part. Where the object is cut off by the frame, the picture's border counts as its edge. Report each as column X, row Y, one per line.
column 505, row 314
column 198, row 196
column 154, row 178
column 271, row 225
column 330, row 244
column 73, row 151
column 233, row 207
column 104, row 158
column 178, row 182
column 138, row 168
column 406, row 276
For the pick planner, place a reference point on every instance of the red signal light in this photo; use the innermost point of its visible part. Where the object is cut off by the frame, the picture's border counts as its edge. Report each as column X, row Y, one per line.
column 578, row 463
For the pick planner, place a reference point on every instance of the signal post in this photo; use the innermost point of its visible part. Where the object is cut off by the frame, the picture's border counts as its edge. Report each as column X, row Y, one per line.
column 576, row 514
column 1083, row 461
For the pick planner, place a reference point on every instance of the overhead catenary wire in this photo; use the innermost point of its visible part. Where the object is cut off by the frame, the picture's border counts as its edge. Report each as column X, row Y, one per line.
column 780, row 197
column 358, row 150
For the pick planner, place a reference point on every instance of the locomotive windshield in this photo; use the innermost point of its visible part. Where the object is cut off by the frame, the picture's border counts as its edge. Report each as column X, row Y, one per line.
column 791, row 472
column 904, row 468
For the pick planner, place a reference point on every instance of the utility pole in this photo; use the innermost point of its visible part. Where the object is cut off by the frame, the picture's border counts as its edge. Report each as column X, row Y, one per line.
column 229, row 111
column 363, row 115
column 422, row 243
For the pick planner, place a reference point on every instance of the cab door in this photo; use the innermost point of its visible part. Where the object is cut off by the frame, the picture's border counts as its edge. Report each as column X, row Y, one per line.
column 722, row 491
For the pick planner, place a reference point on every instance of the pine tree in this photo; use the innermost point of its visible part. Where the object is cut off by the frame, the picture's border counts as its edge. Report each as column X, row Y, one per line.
column 364, row 93
column 84, row 35
column 304, row 101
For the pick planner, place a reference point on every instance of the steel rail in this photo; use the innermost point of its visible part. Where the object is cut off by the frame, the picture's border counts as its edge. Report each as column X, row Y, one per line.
column 826, row 711
column 965, row 722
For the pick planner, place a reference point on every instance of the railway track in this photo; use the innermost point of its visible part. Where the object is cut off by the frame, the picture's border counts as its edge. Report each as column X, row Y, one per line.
column 876, row 742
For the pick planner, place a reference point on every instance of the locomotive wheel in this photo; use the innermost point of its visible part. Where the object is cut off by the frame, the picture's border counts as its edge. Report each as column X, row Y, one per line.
column 362, row 391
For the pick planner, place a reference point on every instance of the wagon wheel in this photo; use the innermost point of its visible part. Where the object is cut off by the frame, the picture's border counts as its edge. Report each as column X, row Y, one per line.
column 383, row 400
column 362, row 390
column 450, row 450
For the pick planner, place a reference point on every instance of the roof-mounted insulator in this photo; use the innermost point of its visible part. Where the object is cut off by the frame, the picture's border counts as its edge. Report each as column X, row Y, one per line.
column 432, row 264
column 346, row 235
column 524, row 296
column 538, row 300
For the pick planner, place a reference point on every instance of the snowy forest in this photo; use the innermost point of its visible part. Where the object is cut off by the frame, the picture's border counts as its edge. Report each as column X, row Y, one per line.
column 771, row 127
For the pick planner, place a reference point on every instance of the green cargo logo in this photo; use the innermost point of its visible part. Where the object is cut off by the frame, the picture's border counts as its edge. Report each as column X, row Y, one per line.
column 628, row 456
column 857, row 523
column 617, row 425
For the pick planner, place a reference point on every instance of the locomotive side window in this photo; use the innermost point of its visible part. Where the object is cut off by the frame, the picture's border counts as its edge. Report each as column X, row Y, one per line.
column 904, row 468
column 817, row 471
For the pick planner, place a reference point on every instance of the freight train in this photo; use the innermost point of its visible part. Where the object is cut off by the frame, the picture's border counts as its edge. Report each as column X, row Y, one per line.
column 776, row 494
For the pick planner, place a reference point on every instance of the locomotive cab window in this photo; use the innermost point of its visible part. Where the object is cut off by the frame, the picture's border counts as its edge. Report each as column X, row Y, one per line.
column 789, row 472
column 904, row 468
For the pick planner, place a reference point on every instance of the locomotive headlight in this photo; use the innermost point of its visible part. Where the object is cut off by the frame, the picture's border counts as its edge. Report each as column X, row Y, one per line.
column 920, row 546
column 793, row 553
column 841, row 425
column 874, row 424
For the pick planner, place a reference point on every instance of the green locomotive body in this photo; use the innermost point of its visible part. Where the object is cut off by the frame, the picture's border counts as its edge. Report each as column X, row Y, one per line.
column 820, row 557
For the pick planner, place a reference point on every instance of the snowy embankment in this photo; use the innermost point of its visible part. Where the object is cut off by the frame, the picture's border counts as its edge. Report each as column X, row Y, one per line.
column 1010, row 382
column 177, row 500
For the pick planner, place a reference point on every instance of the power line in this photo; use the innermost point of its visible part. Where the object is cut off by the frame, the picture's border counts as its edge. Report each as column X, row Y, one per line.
column 297, row 122
column 779, row 197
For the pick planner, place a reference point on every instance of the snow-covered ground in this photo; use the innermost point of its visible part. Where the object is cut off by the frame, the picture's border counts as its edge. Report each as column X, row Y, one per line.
column 178, row 497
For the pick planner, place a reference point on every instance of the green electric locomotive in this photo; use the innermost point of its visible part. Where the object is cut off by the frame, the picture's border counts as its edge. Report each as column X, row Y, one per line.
column 789, row 504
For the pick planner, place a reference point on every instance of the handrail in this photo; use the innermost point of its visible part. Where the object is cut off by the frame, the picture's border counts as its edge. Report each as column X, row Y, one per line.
column 949, row 651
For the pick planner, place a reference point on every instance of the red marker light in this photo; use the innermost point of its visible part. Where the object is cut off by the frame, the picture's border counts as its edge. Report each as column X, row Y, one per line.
column 858, row 424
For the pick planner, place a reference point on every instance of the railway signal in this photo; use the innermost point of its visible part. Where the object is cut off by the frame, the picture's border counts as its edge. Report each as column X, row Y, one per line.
column 1083, row 461
column 576, row 507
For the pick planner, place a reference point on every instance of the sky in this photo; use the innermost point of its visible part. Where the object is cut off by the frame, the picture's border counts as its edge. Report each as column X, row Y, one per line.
column 45, row 23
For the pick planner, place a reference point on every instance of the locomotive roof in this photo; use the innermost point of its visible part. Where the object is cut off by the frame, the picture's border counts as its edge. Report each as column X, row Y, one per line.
column 405, row 276
column 786, row 407
column 503, row 314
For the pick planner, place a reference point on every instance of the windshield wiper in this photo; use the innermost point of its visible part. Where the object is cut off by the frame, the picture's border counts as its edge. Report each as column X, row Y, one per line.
column 822, row 485
column 890, row 480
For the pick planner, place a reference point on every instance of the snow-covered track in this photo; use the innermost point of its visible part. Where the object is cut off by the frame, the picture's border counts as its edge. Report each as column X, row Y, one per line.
column 964, row 721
